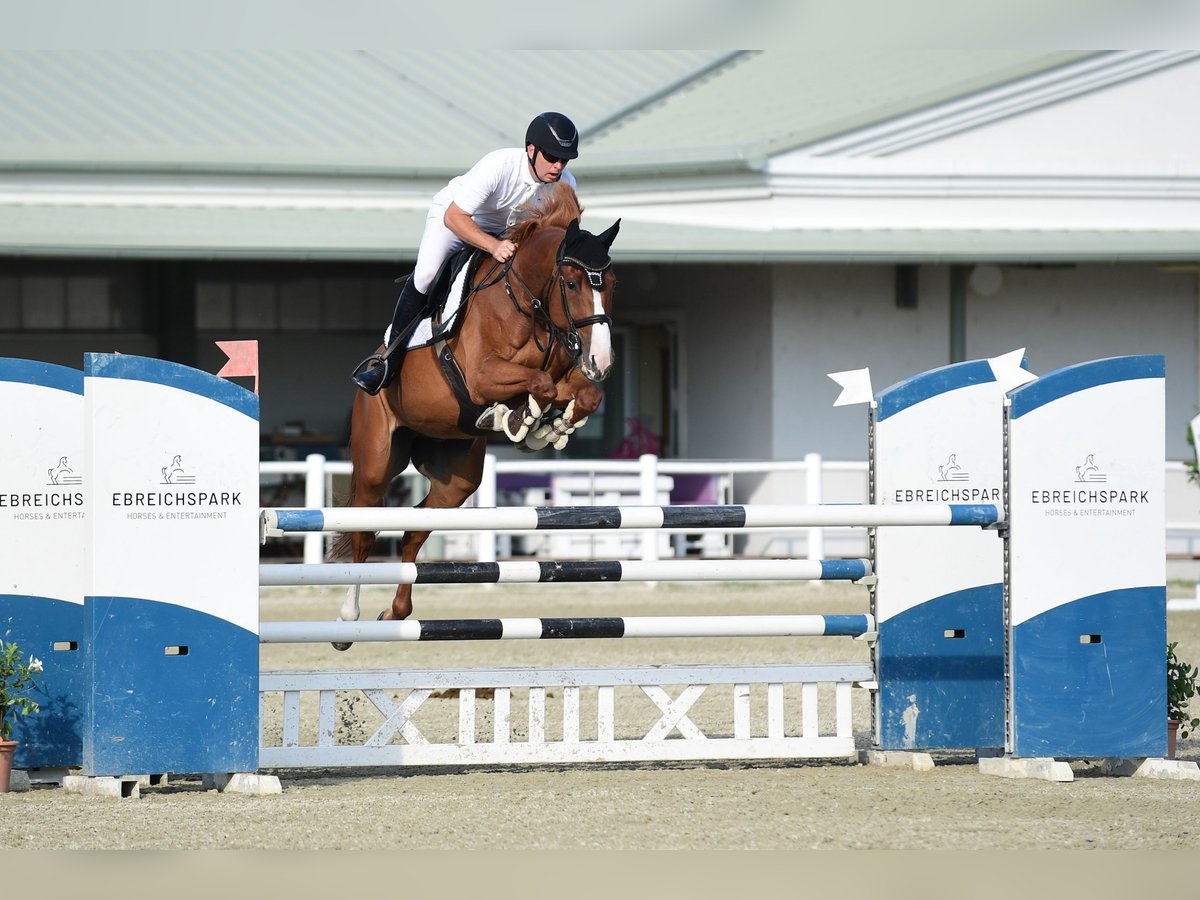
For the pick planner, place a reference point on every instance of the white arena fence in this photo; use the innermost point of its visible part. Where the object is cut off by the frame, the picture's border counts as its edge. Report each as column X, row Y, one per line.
column 594, row 482
column 644, row 481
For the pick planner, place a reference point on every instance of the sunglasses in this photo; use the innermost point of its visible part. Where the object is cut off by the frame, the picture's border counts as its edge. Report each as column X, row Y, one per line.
column 552, row 159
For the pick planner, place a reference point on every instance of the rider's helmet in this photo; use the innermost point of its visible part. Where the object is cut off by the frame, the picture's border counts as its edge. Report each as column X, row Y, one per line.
column 554, row 134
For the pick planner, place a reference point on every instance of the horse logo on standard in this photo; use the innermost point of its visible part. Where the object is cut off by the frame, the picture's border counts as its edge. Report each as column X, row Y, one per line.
column 61, row 474
column 174, row 473
column 1089, row 472
column 952, row 471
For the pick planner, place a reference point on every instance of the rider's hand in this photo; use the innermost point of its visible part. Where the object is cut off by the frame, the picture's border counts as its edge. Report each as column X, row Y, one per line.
column 503, row 251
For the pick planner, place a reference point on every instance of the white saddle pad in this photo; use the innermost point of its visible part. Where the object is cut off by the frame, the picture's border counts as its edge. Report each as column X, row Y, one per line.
column 422, row 335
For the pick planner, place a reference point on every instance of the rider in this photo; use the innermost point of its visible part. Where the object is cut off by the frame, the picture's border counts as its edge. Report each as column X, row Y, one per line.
column 470, row 210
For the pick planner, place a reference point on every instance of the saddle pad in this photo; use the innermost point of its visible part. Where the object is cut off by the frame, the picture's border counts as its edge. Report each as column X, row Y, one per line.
column 423, row 335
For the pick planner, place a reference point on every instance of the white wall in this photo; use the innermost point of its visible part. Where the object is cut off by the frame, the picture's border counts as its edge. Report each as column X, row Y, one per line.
column 759, row 341
column 1138, row 122
column 833, row 318
column 1072, row 315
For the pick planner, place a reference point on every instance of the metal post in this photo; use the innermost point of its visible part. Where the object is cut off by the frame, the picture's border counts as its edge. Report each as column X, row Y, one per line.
column 958, row 313
column 812, row 495
column 649, row 490
column 487, row 497
column 314, row 498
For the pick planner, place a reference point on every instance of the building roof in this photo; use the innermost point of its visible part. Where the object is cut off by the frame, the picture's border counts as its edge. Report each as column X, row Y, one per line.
column 307, row 111
column 705, row 154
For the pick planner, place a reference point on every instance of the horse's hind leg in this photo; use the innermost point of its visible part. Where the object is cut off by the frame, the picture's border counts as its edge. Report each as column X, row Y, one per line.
column 379, row 452
column 454, row 469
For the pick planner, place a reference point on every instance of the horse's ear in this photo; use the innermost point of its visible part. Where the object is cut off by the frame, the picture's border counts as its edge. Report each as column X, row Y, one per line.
column 572, row 231
column 610, row 235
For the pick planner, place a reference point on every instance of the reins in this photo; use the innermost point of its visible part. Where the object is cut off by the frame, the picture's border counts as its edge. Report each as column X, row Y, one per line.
column 568, row 338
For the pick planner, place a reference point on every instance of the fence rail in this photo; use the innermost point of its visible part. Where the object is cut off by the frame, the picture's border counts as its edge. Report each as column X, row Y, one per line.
column 318, row 472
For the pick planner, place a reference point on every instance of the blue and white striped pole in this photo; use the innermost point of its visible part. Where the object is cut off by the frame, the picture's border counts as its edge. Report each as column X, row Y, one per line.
column 522, row 518
column 547, row 571
column 566, row 628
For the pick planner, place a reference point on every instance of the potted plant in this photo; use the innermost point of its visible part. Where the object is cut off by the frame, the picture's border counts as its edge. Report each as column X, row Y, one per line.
column 16, row 680
column 1181, row 688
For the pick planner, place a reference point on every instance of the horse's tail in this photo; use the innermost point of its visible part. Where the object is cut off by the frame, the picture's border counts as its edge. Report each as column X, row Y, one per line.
column 340, row 550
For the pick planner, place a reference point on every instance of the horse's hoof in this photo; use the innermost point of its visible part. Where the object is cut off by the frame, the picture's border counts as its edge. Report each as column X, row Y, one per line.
column 492, row 418
column 344, row 645
column 532, row 444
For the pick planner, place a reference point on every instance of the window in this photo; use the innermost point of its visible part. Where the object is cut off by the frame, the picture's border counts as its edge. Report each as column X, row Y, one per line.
column 70, row 296
column 258, row 301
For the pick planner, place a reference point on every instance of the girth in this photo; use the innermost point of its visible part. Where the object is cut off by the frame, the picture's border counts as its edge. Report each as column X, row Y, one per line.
column 468, row 410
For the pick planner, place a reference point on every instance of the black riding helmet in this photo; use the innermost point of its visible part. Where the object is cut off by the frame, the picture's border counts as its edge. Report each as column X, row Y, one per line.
column 554, row 134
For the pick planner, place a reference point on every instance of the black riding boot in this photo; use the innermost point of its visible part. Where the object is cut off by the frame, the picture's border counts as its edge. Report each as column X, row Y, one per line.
column 376, row 372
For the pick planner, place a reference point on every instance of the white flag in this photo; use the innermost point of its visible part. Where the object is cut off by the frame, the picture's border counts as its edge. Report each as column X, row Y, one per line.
column 856, row 387
column 1008, row 372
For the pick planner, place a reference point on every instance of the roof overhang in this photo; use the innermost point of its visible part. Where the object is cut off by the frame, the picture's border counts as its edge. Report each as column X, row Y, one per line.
column 844, row 212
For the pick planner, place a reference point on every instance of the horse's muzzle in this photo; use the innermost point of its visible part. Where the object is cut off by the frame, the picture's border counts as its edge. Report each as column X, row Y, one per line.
column 596, row 358
column 593, row 372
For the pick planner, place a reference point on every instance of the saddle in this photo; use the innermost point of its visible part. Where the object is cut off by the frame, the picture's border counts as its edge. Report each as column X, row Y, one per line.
column 445, row 308
column 447, row 313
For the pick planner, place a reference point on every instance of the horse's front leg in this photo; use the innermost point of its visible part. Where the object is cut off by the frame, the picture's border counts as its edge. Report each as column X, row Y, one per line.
column 499, row 380
column 410, row 546
column 582, row 398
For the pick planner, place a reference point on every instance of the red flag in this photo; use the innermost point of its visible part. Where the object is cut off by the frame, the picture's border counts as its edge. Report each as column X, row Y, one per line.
column 243, row 359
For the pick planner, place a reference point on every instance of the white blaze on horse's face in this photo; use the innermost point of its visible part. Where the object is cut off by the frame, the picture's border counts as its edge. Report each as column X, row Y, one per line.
column 598, row 355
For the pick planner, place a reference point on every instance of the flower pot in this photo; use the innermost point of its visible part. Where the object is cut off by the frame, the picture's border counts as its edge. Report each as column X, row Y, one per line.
column 1172, row 736
column 6, row 761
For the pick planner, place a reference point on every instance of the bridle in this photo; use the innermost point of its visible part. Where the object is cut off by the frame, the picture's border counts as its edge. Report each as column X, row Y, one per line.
column 567, row 338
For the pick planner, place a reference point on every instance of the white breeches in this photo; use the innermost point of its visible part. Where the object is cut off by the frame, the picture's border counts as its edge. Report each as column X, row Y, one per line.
column 437, row 243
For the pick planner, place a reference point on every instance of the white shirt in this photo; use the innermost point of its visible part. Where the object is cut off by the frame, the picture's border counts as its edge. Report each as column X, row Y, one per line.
column 493, row 187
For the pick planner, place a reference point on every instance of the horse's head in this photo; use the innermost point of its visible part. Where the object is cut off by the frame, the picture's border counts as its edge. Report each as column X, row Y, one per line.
column 584, row 282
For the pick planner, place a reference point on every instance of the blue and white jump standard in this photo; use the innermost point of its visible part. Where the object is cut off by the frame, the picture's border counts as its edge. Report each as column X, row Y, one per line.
column 172, row 608
column 937, row 438
column 1087, row 562
column 42, row 533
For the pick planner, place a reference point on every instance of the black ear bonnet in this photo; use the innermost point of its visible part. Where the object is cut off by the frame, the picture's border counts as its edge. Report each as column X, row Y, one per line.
column 588, row 251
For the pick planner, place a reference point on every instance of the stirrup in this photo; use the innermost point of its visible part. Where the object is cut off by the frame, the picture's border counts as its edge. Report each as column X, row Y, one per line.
column 371, row 375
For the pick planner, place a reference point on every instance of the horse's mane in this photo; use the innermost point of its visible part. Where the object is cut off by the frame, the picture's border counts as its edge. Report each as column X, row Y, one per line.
column 551, row 205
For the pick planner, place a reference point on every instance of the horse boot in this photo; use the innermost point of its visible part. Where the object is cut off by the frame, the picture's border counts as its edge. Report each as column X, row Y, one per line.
column 376, row 372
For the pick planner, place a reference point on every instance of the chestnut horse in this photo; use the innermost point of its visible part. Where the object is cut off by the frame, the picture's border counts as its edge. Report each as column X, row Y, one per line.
column 531, row 341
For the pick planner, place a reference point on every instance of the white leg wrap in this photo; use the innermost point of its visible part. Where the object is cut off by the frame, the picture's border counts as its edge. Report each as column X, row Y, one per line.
column 350, row 610
column 535, row 411
column 517, row 436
